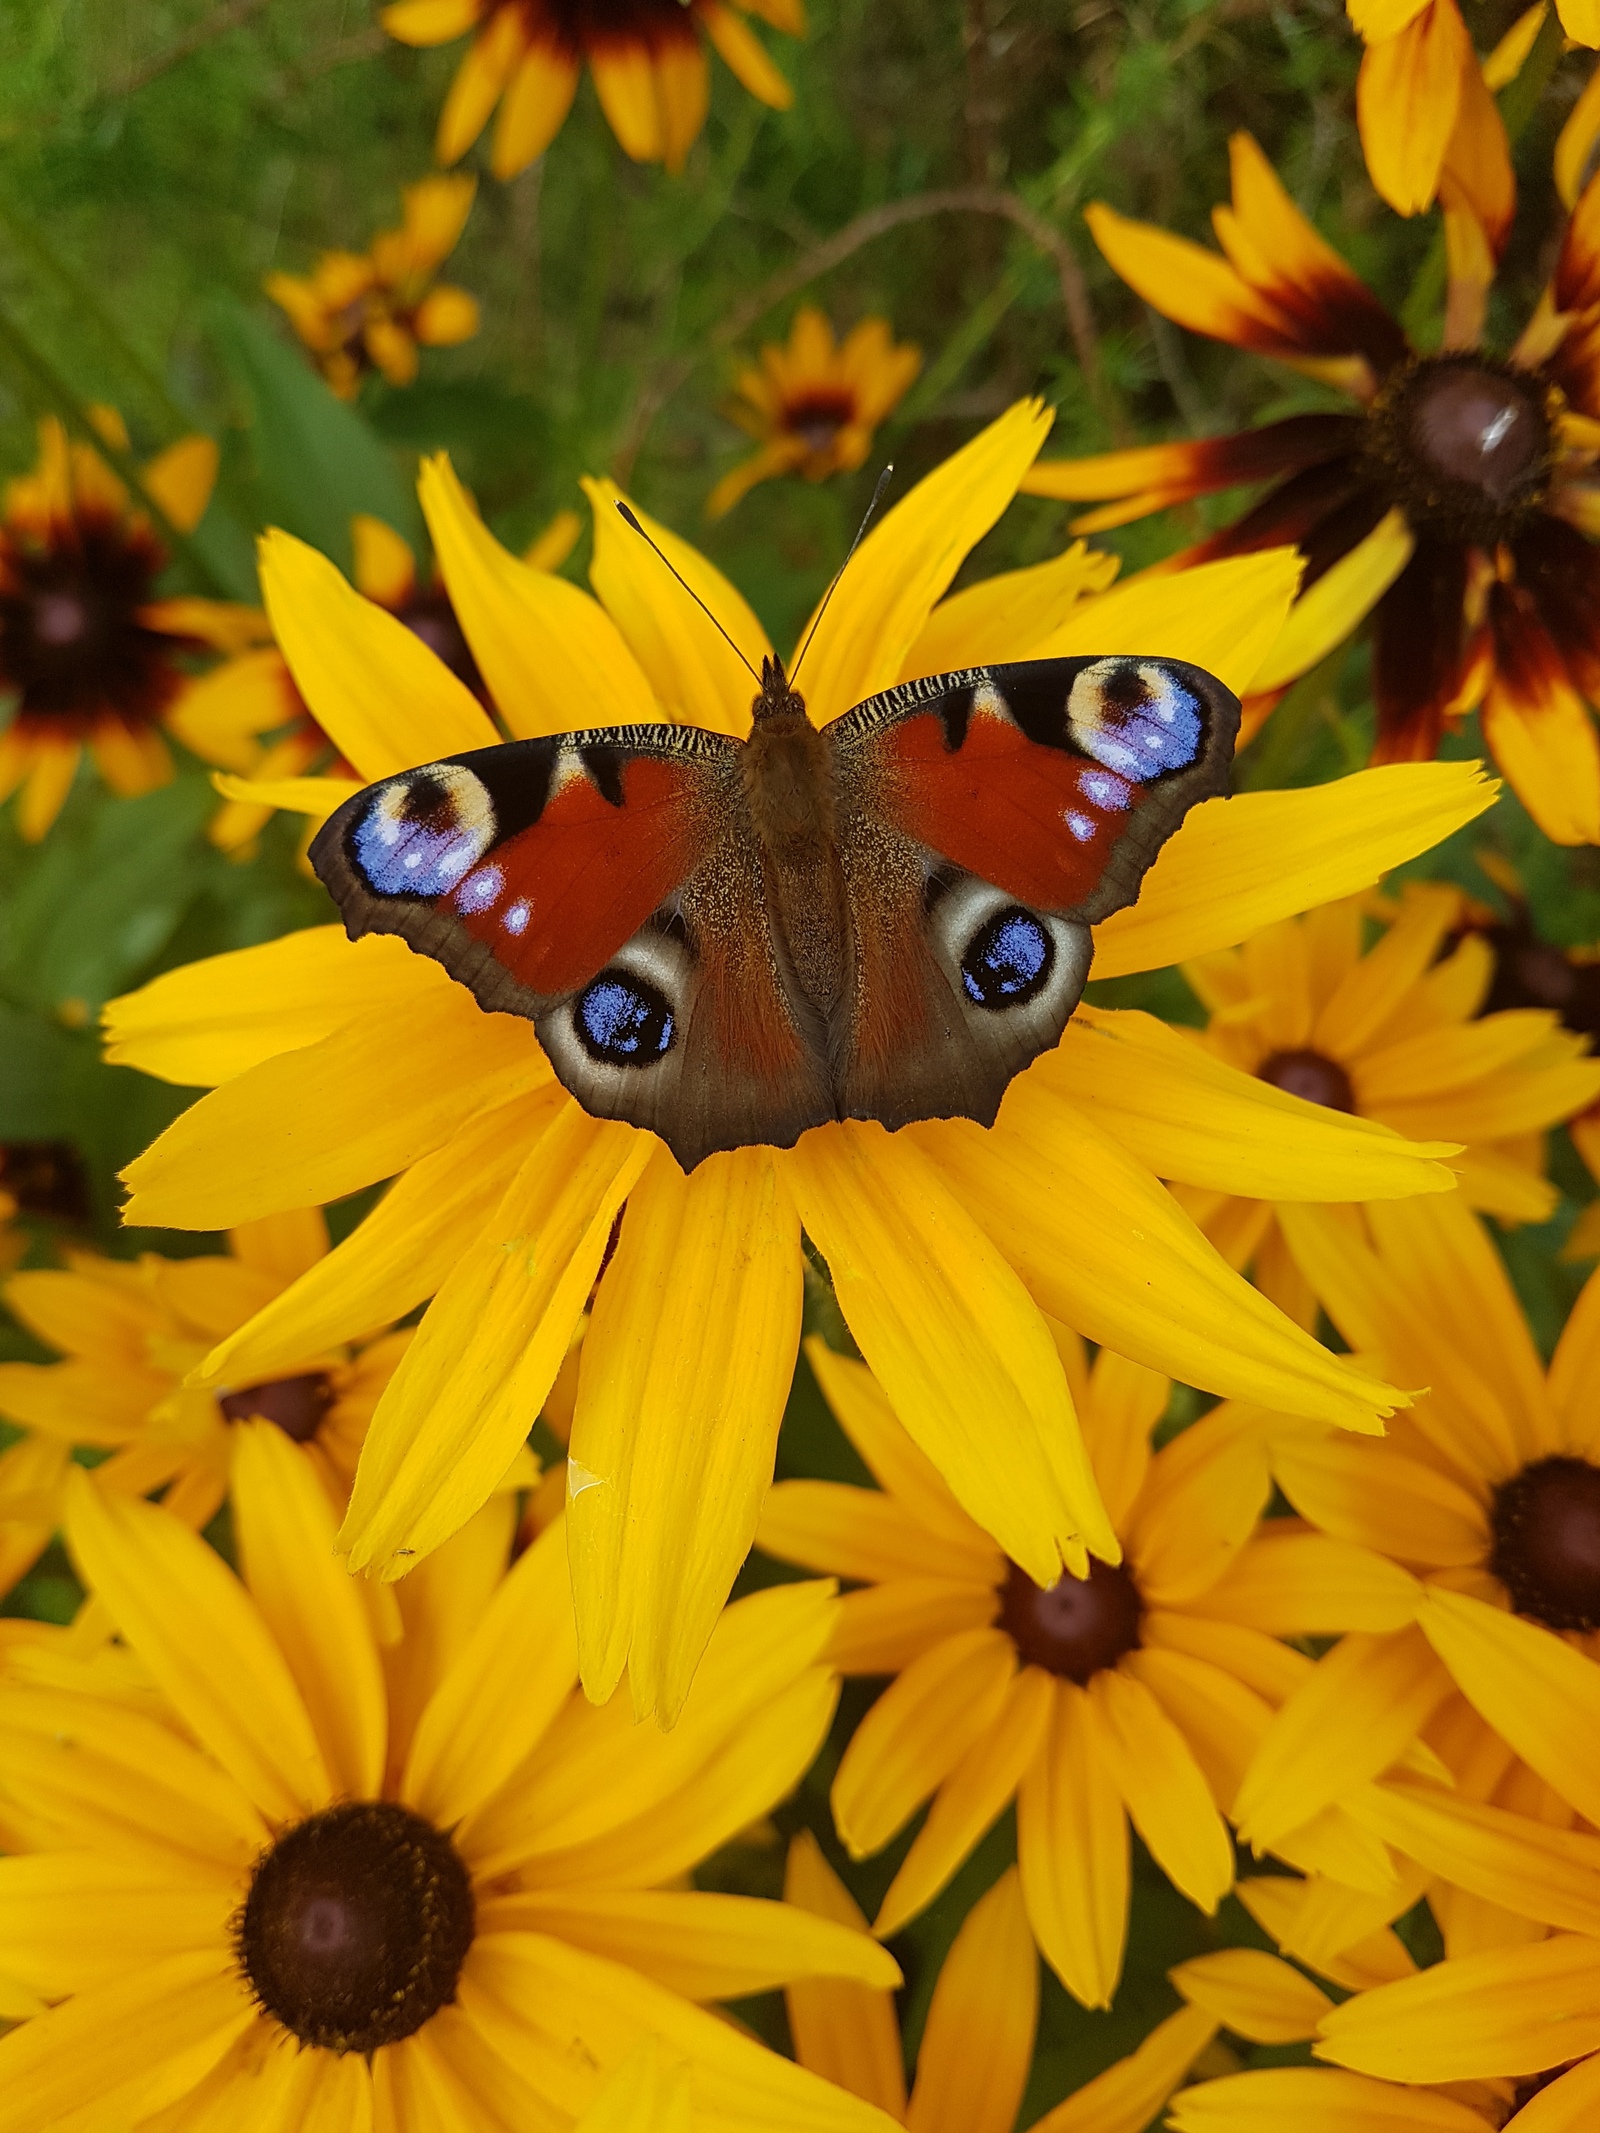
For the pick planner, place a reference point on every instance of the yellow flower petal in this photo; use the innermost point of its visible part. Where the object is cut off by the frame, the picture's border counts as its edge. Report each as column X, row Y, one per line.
column 316, row 797
column 860, row 1533
column 205, row 1643
column 385, row 570
column 285, row 1527
column 1307, row 1585
column 1407, row 95
column 952, row 1337
column 897, row 1465
column 1200, row 1503
column 143, row 1911
column 846, row 2032
column 1379, row 1498
column 1524, row 1866
column 1540, row 732
column 883, row 1628
column 373, row 686
column 1236, row 865
column 1356, row 1713
column 1325, row 615
column 1536, row 1690
column 745, row 55
column 978, row 2043
column 534, row 108
column 426, row 22
column 397, row 1256
column 1166, row 1797
column 686, row 1367
column 1192, row 1117
column 1106, row 1249
column 1316, row 2100
column 971, row 1799
column 1072, row 1852
column 1129, row 2093
column 488, row 1350
column 554, row 660
column 503, row 1689
column 491, row 60
column 1254, row 1994
column 1222, row 616
column 181, row 480
column 696, row 675
column 1007, row 616
column 317, row 1123
column 907, row 561
column 1513, row 2011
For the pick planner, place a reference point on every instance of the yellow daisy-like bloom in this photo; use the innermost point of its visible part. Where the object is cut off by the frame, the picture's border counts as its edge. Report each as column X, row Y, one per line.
column 647, row 59
column 303, row 1880
column 360, row 312
column 1456, row 507
column 977, row 2044
column 815, row 403
column 1132, row 1695
column 91, row 655
column 1486, row 1493
column 130, row 1334
column 1395, row 1036
column 335, row 1064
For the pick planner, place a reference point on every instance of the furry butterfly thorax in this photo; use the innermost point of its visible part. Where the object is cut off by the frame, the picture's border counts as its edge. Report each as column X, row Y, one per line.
column 727, row 942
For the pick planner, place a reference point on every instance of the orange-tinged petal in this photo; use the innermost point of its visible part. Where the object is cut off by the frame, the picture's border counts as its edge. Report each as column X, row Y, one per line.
column 625, row 82
column 1541, row 734
column 977, row 2047
column 907, row 561
column 284, row 1526
column 487, row 1352
column 44, row 791
column 844, row 2031
column 683, row 93
column 745, row 55
column 1536, row 1690
column 1129, row 2093
column 317, row 1123
column 181, row 480
column 951, row 1335
column 1329, row 610
column 1167, row 1798
column 1072, row 1853
column 696, row 674
column 385, row 570
column 1236, row 865
column 1191, row 285
column 426, row 22
column 1576, row 139
column 204, row 1642
column 552, row 657
column 1254, row 1994
column 534, row 108
column 490, row 61
column 373, row 685
column 1407, row 96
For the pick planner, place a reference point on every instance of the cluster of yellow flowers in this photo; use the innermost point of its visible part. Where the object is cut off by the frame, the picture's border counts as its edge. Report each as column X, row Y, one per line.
column 1209, row 1487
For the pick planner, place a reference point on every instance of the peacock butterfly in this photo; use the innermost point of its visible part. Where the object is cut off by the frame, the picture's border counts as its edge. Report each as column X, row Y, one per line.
column 730, row 941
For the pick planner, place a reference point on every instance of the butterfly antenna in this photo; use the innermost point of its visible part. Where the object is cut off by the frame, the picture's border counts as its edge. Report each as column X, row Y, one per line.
column 628, row 519
column 877, row 498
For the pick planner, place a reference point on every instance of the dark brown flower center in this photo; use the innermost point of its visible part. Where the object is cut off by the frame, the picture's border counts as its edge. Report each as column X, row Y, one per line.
column 298, row 1405
column 429, row 615
column 1530, row 972
column 356, row 1926
column 1312, row 1075
column 45, row 1178
column 72, row 646
column 816, row 418
column 1076, row 1626
column 1464, row 445
column 1546, row 1542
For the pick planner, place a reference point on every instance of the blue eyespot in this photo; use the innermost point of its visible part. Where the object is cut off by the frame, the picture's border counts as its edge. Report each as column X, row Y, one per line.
column 421, row 833
column 622, row 1021
column 1136, row 717
column 1008, row 960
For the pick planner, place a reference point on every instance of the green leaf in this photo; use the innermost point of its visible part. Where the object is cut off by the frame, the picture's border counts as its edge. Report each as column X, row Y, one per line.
column 318, row 459
column 36, row 1069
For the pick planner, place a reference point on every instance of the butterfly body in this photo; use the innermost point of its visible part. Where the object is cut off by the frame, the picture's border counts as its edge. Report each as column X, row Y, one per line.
column 731, row 941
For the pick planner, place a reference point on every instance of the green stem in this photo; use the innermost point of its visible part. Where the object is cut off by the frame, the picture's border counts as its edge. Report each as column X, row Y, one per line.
column 51, row 387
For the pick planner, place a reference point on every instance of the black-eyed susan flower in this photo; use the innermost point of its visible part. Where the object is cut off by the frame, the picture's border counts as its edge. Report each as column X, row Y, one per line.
column 1454, row 507
column 976, row 2049
column 814, row 402
column 360, row 312
column 1396, row 1035
column 1092, row 1702
column 130, row 1333
column 349, row 1063
column 91, row 655
column 647, row 59
column 1486, row 1493
column 418, row 1885
column 1510, row 2037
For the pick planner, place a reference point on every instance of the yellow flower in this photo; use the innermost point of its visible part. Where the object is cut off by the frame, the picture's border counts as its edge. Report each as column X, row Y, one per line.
column 305, row 1880
column 92, row 656
column 977, row 2045
column 646, row 57
column 1133, row 1695
column 131, row 1333
column 334, row 1065
column 1391, row 1036
column 363, row 311
column 1455, row 507
column 815, row 404
column 1485, row 1496
column 1426, row 110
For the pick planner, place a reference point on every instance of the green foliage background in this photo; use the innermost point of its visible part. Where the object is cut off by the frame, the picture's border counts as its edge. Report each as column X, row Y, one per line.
column 158, row 157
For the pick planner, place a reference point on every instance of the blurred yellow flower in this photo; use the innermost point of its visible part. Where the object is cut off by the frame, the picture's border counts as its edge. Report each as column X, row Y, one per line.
column 647, row 59
column 336, row 1064
column 418, row 1884
column 815, row 403
column 92, row 656
column 363, row 311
